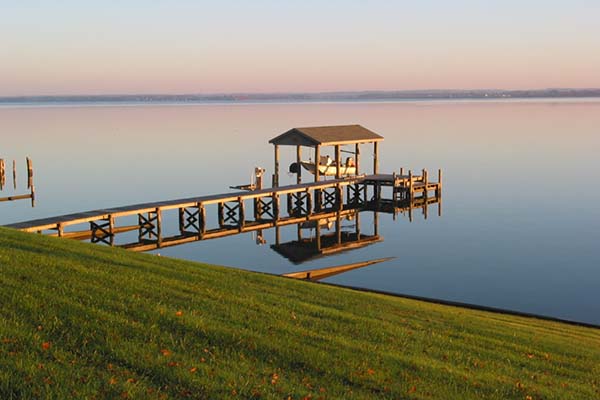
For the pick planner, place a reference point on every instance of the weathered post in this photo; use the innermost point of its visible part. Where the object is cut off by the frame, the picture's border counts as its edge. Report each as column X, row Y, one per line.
column 298, row 161
column 29, row 173
column 15, row 174
column 375, row 158
column 338, row 162
column 2, row 174
column 276, row 167
column 357, row 156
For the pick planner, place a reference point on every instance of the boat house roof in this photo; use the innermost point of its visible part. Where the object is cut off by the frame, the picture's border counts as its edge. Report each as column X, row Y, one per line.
column 326, row 136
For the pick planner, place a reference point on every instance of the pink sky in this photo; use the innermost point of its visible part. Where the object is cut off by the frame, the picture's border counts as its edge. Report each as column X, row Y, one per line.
column 187, row 47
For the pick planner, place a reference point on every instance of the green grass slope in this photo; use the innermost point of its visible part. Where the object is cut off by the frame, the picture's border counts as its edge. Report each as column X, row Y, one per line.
column 86, row 321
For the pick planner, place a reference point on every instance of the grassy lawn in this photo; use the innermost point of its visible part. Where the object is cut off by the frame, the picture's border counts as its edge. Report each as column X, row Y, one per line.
column 86, row 321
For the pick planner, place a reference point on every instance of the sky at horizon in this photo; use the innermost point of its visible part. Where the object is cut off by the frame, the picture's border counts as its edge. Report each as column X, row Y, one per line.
column 134, row 46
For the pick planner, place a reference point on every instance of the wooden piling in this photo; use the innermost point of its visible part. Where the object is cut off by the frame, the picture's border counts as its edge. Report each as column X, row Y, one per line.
column 276, row 167
column 439, row 186
column 221, row 214
column 299, row 166
column 201, row 219
column 242, row 213
column 29, row 173
column 357, row 158
column 338, row 162
column 317, row 157
column 14, row 174
column 375, row 158
column 309, row 202
column 410, row 186
column 2, row 174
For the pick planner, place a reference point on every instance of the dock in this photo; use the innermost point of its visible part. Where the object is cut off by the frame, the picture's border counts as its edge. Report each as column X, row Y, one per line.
column 237, row 212
column 255, row 208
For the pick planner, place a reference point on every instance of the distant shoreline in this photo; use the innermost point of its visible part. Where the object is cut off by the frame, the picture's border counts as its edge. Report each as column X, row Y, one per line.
column 259, row 98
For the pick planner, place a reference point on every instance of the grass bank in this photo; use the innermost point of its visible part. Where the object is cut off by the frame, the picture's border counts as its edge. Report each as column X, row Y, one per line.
column 86, row 321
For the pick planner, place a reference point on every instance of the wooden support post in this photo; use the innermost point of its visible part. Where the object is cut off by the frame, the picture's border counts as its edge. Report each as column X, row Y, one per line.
column 29, row 173
column 318, row 235
column 438, row 192
column 318, row 200
column 221, row 214
column 276, row 168
column 181, row 220
column 15, row 174
column 317, row 158
column 241, row 215
column 276, row 206
column 338, row 162
column 2, row 174
column 338, row 228
column 425, row 183
column 309, row 202
column 290, row 204
column 401, row 171
column 376, row 223
column 256, row 209
column 158, row 226
column 60, row 230
column 277, row 235
column 339, row 197
column 299, row 160
column 32, row 195
column 375, row 158
column 201, row 219
column 357, row 225
column 111, row 230
column 357, row 157
column 394, row 191
column 410, row 188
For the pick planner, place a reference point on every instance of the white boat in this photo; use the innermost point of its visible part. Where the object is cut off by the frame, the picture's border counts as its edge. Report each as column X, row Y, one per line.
column 329, row 169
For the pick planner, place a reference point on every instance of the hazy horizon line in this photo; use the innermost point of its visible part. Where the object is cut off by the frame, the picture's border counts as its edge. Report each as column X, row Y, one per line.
column 310, row 93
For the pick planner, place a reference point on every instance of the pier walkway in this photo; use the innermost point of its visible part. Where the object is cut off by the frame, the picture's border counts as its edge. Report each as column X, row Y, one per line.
column 304, row 202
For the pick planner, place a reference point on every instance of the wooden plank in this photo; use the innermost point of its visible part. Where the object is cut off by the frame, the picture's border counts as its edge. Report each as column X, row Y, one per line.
column 16, row 197
column 87, row 234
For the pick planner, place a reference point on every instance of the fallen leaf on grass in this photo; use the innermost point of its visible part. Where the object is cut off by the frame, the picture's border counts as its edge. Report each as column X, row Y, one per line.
column 165, row 352
column 46, row 345
column 179, row 313
column 274, row 379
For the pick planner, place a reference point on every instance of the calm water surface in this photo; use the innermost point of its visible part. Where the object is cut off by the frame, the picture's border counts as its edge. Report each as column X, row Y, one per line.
column 520, row 227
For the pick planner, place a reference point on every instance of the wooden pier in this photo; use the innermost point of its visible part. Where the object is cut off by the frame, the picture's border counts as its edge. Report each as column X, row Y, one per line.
column 255, row 209
column 239, row 212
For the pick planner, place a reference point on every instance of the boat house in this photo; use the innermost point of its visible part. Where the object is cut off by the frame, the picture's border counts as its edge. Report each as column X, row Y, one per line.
column 316, row 138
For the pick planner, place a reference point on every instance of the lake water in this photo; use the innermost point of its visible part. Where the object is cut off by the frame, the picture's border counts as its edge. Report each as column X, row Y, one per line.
column 520, row 227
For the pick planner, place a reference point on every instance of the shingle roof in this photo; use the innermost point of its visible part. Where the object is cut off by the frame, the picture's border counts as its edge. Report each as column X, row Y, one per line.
column 327, row 135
